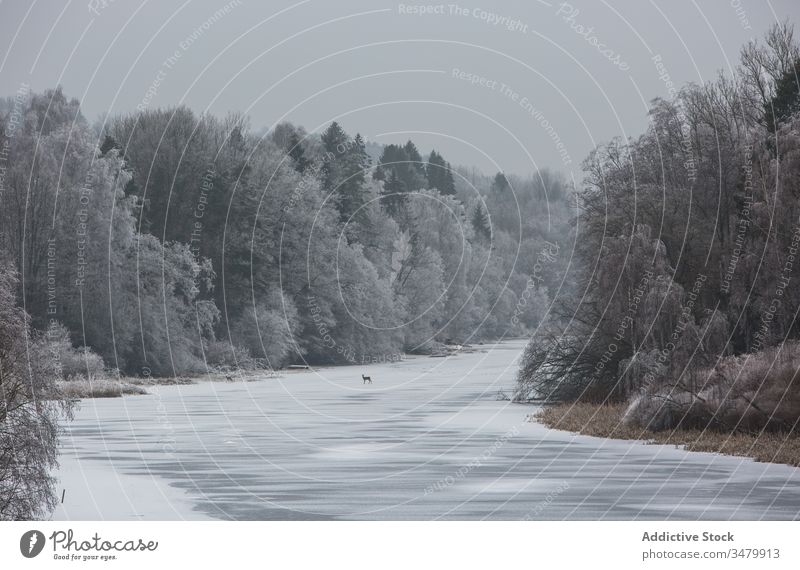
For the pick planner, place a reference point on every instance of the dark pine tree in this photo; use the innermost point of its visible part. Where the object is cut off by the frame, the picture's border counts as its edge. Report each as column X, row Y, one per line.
column 500, row 183
column 415, row 159
column 481, row 223
column 334, row 142
column 353, row 192
column 786, row 101
column 297, row 154
column 440, row 174
column 394, row 193
column 108, row 144
column 344, row 172
column 448, row 184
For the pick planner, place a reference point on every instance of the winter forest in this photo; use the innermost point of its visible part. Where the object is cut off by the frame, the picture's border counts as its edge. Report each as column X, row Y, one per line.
column 167, row 244
column 200, row 244
column 164, row 244
column 685, row 303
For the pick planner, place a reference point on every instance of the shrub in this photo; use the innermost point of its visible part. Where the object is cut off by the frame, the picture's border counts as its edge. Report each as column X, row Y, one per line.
column 74, row 362
column 563, row 368
column 98, row 387
column 753, row 392
column 226, row 357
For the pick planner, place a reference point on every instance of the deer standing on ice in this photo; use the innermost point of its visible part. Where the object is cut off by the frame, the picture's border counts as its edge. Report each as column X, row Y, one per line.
column 366, row 379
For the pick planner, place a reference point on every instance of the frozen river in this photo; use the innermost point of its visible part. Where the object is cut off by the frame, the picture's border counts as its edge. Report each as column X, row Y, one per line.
column 426, row 440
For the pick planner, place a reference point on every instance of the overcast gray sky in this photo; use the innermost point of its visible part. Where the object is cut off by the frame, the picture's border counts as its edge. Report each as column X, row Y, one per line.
column 575, row 74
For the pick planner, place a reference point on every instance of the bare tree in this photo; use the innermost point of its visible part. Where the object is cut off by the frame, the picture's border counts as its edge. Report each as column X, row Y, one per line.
column 763, row 65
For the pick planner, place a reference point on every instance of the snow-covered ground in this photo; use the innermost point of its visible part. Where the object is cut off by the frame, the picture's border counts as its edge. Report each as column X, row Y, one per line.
column 426, row 440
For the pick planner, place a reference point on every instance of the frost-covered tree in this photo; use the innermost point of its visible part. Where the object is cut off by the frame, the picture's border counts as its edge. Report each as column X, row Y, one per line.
column 683, row 240
column 31, row 408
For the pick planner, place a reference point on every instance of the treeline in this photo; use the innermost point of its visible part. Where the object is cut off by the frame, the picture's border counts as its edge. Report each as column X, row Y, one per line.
column 164, row 243
column 687, row 260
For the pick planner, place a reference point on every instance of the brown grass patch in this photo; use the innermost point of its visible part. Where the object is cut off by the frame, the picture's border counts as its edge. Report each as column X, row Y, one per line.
column 606, row 421
column 98, row 388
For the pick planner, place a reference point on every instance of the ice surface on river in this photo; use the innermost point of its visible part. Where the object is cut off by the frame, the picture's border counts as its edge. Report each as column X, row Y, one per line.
column 426, row 440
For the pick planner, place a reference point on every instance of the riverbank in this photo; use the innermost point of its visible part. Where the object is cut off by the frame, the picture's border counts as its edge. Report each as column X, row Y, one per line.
column 606, row 421
column 110, row 386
